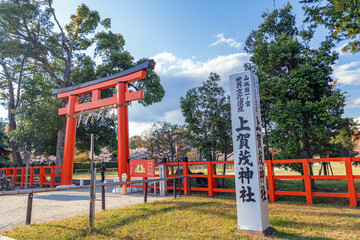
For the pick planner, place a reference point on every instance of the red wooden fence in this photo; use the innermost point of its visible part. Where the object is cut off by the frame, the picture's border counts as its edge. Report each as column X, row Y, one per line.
column 39, row 175
column 273, row 192
column 309, row 194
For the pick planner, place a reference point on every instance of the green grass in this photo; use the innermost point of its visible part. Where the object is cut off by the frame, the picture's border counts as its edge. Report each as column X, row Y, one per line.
column 200, row 217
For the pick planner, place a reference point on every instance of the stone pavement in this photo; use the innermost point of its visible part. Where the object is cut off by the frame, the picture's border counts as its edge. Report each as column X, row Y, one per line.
column 62, row 204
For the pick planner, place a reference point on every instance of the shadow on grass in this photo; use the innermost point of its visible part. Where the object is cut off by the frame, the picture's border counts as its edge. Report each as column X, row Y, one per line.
column 105, row 227
column 283, row 235
column 303, row 225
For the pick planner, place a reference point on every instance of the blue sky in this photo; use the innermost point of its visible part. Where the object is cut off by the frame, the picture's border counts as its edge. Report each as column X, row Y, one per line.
column 190, row 39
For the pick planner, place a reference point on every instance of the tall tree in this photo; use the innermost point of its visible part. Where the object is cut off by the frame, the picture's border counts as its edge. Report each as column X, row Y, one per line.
column 3, row 142
column 31, row 23
column 41, row 37
column 207, row 115
column 36, row 115
column 13, row 72
column 341, row 17
column 300, row 104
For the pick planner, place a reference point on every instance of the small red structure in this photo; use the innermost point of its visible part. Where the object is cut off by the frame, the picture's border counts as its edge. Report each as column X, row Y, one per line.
column 119, row 100
column 142, row 168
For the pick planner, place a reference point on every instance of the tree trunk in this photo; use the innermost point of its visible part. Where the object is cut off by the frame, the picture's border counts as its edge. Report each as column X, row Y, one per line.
column 59, row 151
column 60, row 146
column 12, row 125
column 60, row 141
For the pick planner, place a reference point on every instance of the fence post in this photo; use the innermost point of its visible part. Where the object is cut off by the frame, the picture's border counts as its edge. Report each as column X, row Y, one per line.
column 103, row 197
column 350, row 178
column 22, row 177
column 186, row 172
column 52, row 176
column 305, row 155
column 307, row 182
column 31, row 175
column 146, row 191
column 41, row 173
column 144, row 184
column 29, row 209
column 210, row 178
column 271, row 180
column 174, row 185
column 92, row 187
column 188, row 179
column 15, row 175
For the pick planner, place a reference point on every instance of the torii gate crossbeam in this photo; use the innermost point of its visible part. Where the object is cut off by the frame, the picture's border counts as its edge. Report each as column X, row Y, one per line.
column 120, row 99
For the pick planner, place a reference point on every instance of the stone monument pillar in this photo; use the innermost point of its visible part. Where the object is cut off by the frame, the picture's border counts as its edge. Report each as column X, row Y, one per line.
column 250, row 178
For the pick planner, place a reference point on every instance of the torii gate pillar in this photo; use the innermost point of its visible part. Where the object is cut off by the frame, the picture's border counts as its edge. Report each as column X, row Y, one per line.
column 69, row 146
column 123, row 130
column 120, row 100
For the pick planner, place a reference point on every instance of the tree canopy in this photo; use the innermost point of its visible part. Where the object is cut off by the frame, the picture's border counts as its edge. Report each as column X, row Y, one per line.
column 207, row 115
column 301, row 106
column 341, row 17
column 30, row 30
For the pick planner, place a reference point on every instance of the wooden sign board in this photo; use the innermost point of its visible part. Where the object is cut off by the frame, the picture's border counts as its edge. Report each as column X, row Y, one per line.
column 142, row 168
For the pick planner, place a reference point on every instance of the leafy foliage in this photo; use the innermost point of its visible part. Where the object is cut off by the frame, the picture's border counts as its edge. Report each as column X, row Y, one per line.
column 341, row 17
column 207, row 115
column 30, row 30
column 37, row 116
column 300, row 103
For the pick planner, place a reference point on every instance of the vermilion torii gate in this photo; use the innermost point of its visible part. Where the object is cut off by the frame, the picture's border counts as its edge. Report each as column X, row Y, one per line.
column 119, row 100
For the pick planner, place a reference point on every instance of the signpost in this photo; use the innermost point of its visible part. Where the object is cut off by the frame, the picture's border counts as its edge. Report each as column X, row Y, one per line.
column 250, row 178
column 26, row 160
column 92, row 187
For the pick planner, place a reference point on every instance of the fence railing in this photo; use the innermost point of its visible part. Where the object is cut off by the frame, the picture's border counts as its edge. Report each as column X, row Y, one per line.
column 273, row 192
column 209, row 175
column 307, row 177
column 39, row 175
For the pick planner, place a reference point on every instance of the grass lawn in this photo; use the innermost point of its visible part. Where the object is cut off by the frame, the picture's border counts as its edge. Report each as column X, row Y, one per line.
column 200, row 217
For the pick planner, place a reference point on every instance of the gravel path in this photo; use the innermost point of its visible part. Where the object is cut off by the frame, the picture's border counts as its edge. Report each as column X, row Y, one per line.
column 62, row 204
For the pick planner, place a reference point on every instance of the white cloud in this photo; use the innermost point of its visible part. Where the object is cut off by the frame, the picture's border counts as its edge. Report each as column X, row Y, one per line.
column 174, row 117
column 353, row 103
column 3, row 112
column 357, row 120
column 348, row 73
column 167, row 64
column 339, row 50
column 222, row 40
column 179, row 75
column 137, row 128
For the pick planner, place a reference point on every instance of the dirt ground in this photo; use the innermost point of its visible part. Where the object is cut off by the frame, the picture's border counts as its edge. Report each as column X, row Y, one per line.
column 62, row 204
